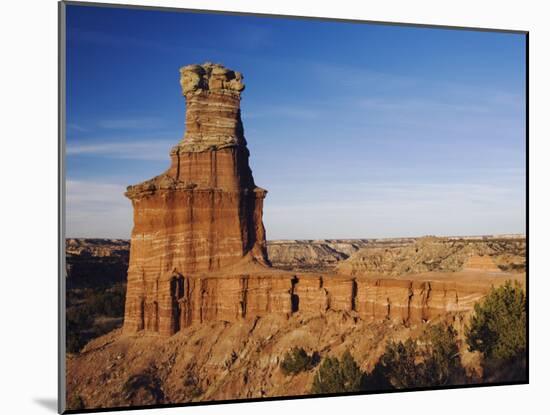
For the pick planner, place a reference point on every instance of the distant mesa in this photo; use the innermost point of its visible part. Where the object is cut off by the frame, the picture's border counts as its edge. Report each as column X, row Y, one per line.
column 431, row 254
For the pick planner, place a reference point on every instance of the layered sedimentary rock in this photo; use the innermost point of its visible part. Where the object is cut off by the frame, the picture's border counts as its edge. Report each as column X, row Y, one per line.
column 481, row 263
column 430, row 254
column 194, row 300
column 318, row 255
column 201, row 215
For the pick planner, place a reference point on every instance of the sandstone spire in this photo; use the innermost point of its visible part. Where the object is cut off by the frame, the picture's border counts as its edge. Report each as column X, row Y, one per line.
column 204, row 213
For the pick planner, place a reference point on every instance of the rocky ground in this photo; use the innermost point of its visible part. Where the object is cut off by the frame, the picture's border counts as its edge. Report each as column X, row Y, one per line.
column 225, row 360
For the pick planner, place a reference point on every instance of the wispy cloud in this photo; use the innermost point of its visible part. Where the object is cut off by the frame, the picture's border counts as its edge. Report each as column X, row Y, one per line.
column 96, row 209
column 117, row 40
column 285, row 111
column 73, row 127
column 416, row 105
column 152, row 150
column 341, row 75
column 395, row 209
column 397, row 91
column 131, row 123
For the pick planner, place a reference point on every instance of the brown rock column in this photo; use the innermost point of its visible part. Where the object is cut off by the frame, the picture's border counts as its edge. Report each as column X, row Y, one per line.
column 203, row 214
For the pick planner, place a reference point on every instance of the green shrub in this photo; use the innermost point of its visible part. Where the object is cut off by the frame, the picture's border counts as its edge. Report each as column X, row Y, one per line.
column 336, row 376
column 498, row 327
column 297, row 360
column 441, row 358
column 434, row 360
column 84, row 306
column 108, row 302
column 398, row 364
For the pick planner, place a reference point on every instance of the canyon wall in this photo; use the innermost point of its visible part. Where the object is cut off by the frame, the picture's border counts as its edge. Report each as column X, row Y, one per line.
column 193, row 300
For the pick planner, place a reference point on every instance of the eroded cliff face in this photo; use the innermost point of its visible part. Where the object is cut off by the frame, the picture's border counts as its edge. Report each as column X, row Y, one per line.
column 193, row 300
column 204, row 213
column 238, row 329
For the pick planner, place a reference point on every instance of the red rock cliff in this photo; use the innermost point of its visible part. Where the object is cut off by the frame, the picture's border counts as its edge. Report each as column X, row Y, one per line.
column 201, row 215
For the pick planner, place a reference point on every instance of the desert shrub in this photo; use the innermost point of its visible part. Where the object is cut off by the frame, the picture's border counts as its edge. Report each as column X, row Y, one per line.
column 498, row 326
column 191, row 385
column 336, row 376
column 507, row 370
column 398, row 364
column 143, row 389
column 441, row 358
column 297, row 360
column 84, row 306
column 434, row 360
column 498, row 329
column 75, row 342
column 108, row 302
column 78, row 317
column 78, row 320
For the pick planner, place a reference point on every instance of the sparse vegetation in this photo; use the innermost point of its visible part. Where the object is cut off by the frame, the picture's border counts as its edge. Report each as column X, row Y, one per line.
column 85, row 306
column 441, row 356
column 498, row 329
column 144, row 388
column 297, row 360
column 337, row 376
column 432, row 360
column 397, row 366
column 191, row 385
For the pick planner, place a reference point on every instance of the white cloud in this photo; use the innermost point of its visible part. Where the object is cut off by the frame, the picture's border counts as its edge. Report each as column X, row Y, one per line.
column 95, row 209
column 362, row 210
column 297, row 113
column 152, row 150
column 76, row 127
column 424, row 105
column 131, row 123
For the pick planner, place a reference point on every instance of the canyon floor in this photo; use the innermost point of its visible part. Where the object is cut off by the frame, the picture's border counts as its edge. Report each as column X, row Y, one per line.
column 222, row 360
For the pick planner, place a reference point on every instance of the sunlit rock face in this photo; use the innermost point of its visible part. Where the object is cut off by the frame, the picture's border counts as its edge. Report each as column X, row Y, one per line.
column 198, row 249
column 204, row 213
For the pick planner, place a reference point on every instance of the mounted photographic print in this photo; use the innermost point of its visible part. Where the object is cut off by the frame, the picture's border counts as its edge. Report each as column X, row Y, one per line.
column 260, row 207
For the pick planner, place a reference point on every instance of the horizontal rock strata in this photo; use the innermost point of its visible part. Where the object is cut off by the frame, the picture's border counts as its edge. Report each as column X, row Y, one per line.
column 205, row 212
column 185, row 301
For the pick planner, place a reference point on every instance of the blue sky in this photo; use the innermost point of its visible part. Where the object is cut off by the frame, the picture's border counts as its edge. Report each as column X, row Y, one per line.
column 356, row 130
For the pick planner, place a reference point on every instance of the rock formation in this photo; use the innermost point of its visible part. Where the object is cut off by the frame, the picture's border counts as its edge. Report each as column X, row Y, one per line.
column 430, row 254
column 198, row 251
column 204, row 213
